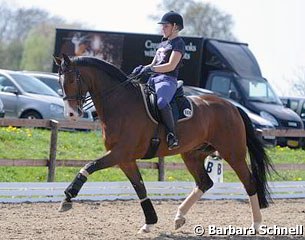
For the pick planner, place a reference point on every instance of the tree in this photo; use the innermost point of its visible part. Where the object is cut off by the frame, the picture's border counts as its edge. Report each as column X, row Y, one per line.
column 201, row 19
column 10, row 55
column 16, row 23
column 297, row 82
column 6, row 15
column 27, row 38
column 38, row 49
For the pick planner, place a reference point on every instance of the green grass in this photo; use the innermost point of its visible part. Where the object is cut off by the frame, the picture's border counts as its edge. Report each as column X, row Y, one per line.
column 25, row 143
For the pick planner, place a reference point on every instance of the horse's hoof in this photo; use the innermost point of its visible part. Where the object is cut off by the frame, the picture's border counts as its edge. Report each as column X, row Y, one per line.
column 145, row 229
column 256, row 226
column 65, row 206
column 179, row 222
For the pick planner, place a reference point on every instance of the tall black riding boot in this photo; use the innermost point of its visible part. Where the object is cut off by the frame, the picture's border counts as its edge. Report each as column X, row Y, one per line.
column 169, row 122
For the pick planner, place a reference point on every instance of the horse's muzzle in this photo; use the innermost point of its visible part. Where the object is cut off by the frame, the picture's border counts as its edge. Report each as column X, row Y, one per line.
column 73, row 113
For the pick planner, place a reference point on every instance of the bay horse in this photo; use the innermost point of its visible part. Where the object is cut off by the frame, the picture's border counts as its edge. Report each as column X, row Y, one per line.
column 127, row 131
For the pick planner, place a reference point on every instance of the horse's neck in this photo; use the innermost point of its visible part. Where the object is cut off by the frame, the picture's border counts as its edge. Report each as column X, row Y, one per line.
column 110, row 95
column 104, row 87
column 98, row 82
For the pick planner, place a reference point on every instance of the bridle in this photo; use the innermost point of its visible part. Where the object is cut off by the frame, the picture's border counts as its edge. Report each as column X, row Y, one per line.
column 79, row 96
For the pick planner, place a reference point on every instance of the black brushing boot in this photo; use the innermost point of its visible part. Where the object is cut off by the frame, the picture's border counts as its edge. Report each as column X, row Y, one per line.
column 169, row 122
column 72, row 191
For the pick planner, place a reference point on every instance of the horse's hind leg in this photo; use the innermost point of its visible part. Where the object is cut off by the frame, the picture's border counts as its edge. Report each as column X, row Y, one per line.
column 239, row 165
column 132, row 172
column 194, row 162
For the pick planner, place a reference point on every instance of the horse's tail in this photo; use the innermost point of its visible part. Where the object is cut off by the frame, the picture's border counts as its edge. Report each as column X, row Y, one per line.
column 261, row 165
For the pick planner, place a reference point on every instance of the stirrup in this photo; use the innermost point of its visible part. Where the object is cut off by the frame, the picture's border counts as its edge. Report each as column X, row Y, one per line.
column 172, row 141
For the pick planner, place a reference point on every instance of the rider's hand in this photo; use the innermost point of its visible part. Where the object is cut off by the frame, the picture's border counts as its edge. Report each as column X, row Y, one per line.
column 137, row 70
column 143, row 75
column 145, row 71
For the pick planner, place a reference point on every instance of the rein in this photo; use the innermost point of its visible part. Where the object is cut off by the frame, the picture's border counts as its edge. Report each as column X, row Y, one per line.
column 86, row 101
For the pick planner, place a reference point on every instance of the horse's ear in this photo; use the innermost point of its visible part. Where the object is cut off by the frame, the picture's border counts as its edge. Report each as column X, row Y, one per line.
column 57, row 60
column 66, row 59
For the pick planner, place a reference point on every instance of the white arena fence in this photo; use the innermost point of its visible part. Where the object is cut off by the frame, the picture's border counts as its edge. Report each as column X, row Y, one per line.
column 17, row 192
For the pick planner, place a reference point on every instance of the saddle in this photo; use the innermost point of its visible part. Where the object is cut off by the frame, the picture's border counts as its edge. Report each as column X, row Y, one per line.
column 182, row 107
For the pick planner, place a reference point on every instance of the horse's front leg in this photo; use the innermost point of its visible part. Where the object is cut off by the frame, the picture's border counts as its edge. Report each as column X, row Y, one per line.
column 131, row 170
column 110, row 159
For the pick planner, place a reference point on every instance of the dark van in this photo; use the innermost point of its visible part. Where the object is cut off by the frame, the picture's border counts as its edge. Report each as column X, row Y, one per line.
column 232, row 70
column 228, row 68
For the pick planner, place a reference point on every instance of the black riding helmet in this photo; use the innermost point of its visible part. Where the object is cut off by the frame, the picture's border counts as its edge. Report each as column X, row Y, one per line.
column 172, row 17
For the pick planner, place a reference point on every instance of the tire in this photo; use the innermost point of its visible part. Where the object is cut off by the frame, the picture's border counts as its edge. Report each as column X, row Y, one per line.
column 31, row 115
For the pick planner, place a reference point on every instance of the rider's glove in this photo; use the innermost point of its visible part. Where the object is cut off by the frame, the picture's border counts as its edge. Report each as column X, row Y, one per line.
column 137, row 70
column 145, row 71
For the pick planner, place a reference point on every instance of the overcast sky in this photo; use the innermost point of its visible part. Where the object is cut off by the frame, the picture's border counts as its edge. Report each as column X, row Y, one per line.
column 274, row 29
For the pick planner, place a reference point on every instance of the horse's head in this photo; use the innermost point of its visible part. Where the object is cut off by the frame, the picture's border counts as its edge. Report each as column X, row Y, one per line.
column 73, row 86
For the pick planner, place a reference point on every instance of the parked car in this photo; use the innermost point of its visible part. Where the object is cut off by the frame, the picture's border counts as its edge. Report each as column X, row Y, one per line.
column 296, row 104
column 258, row 122
column 26, row 97
column 2, row 112
column 50, row 79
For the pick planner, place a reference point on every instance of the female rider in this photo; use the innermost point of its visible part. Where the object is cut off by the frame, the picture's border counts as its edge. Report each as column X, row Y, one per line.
column 164, row 70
